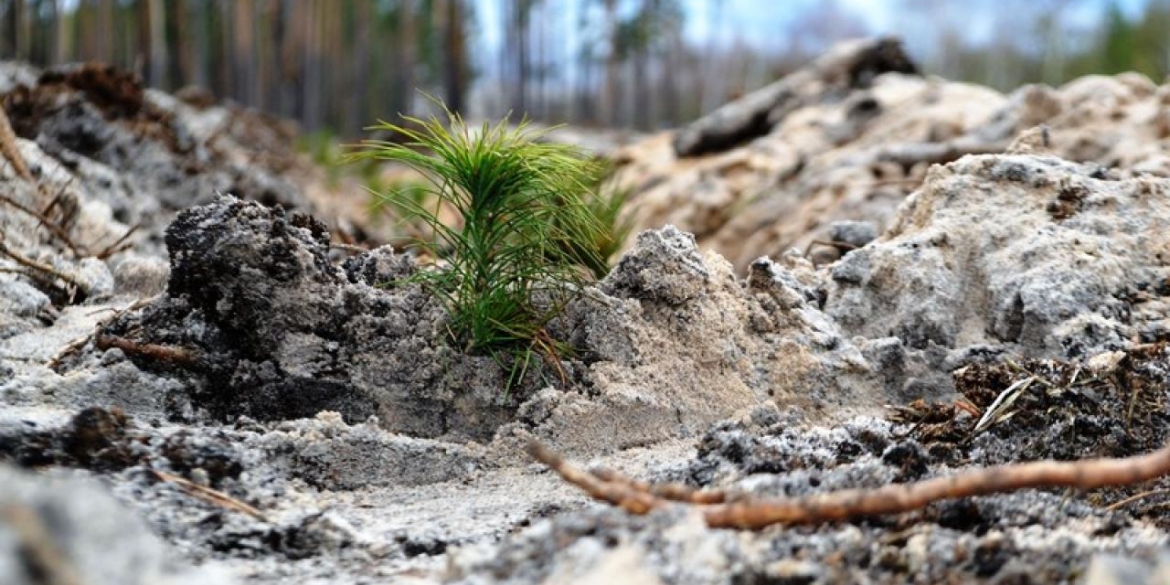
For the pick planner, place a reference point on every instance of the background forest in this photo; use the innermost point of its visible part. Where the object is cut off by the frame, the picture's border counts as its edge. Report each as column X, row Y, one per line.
column 643, row 64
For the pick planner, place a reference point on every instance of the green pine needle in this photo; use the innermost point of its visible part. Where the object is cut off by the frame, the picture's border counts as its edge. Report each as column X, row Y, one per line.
column 532, row 230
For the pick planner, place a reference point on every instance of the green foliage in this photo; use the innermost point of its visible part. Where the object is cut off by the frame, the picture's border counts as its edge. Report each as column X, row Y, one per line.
column 323, row 147
column 605, row 202
column 1119, row 48
column 1123, row 44
column 529, row 229
column 409, row 197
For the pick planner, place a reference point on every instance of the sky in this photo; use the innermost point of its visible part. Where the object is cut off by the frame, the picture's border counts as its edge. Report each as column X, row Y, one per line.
column 762, row 23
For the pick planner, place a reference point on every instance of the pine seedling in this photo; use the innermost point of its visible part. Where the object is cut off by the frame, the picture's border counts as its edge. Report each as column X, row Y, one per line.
column 516, row 257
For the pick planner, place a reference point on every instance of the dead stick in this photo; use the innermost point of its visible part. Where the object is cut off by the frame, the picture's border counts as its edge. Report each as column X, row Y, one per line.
column 43, row 268
column 76, row 345
column 9, row 150
column 57, row 197
column 675, row 492
column 48, row 223
column 155, row 351
column 891, row 499
column 631, row 500
column 1127, row 501
column 113, row 248
column 209, row 495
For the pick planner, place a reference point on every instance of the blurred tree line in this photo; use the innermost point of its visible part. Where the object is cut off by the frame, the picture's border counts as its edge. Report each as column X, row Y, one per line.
column 341, row 64
column 1041, row 41
column 327, row 63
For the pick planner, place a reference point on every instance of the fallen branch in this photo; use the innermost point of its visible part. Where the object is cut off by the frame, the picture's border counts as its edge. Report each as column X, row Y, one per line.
column 891, row 499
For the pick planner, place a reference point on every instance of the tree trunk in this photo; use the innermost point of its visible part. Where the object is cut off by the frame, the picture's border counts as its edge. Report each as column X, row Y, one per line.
column 360, row 73
column 177, row 41
column 670, row 86
column 244, row 53
column 713, row 86
column 455, row 74
column 523, row 7
column 63, row 41
column 106, row 42
column 609, row 103
column 158, row 43
column 403, row 90
column 23, row 35
column 311, row 88
column 142, row 53
column 291, row 31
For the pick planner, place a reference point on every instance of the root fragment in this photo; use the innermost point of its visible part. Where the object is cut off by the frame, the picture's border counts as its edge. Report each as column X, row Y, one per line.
column 640, row 498
column 158, row 352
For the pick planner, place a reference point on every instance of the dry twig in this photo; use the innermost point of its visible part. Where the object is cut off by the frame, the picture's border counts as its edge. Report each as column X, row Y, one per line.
column 154, row 351
column 675, row 492
column 74, row 346
column 9, row 150
column 1136, row 497
column 119, row 245
column 43, row 269
column 209, row 495
column 891, row 499
column 57, row 230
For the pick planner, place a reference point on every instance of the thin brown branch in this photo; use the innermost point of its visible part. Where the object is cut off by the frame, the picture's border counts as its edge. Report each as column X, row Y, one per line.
column 57, row 198
column 1136, row 497
column 10, row 151
column 209, row 495
column 75, row 346
column 629, row 499
column 675, row 492
column 154, row 351
column 891, row 499
column 70, row 348
column 114, row 247
column 52, row 226
column 43, row 268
